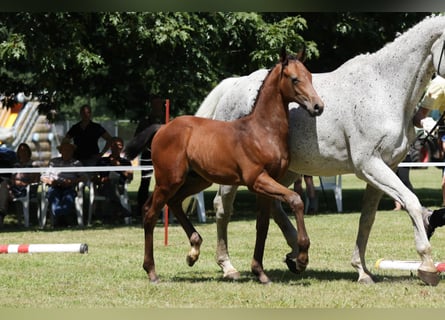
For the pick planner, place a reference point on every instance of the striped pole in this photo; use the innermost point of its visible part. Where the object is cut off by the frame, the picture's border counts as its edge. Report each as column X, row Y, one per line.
column 40, row 248
column 405, row 265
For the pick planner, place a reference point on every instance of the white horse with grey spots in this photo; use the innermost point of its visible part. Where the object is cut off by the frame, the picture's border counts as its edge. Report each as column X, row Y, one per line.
column 366, row 129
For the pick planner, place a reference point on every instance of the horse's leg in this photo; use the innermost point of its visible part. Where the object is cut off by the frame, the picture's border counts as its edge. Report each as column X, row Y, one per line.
column 265, row 185
column 377, row 173
column 290, row 234
column 151, row 210
column 262, row 227
column 371, row 201
column 193, row 184
column 223, row 204
column 287, row 228
column 175, row 205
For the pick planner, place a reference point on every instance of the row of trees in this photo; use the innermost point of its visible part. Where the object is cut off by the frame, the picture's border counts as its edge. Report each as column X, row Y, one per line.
column 119, row 59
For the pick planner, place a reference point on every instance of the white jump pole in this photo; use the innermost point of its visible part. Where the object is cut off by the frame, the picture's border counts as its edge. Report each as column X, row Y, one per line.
column 405, row 265
column 41, row 248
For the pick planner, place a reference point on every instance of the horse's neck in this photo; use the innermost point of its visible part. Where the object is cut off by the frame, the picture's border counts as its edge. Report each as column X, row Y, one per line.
column 406, row 63
column 269, row 109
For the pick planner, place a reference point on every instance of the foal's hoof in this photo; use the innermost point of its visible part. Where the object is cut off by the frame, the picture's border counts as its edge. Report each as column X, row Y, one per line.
column 429, row 278
column 261, row 276
column 153, row 279
column 232, row 275
column 190, row 261
column 264, row 279
column 294, row 266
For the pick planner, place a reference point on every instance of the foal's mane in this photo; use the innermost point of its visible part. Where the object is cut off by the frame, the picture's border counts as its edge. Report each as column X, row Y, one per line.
column 283, row 63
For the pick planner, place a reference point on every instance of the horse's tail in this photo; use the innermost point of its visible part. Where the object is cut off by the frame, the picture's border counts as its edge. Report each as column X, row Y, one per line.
column 207, row 109
column 141, row 141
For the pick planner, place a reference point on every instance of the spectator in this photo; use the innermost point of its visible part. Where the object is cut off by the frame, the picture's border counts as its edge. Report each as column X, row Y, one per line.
column 155, row 117
column 61, row 191
column 112, row 183
column 85, row 135
column 19, row 181
column 7, row 158
column 434, row 99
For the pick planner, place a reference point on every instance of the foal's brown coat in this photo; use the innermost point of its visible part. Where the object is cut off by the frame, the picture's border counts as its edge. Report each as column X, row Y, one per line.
column 191, row 153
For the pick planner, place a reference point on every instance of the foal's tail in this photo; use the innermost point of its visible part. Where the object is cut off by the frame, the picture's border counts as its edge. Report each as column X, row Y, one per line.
column 141, row 141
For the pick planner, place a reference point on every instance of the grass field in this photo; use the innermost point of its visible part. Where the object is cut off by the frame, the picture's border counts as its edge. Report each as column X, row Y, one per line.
column 111, row 276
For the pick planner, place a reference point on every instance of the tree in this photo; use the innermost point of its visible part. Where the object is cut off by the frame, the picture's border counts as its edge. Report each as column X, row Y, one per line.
column 117, row 60
column 123, row 58
column 343, row 35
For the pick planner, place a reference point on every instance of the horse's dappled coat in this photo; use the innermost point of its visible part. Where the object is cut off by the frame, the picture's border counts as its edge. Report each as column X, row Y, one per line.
column 366, row 129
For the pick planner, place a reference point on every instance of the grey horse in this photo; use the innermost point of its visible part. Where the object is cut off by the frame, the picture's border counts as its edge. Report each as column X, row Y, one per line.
column 366, row 129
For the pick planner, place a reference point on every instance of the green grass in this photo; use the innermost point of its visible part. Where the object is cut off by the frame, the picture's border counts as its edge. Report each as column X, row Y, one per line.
column 110, row 275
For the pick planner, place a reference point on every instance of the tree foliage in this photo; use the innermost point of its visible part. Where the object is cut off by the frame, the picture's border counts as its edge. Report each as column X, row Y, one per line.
column 120, row 59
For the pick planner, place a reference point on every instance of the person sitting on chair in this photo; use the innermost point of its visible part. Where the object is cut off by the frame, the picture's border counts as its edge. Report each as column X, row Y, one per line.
column 112, row 183
column 61, row 192
column 19, row 181
column 7, row 158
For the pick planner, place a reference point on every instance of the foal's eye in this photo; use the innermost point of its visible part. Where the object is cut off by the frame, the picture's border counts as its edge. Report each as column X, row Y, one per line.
column 295, row 80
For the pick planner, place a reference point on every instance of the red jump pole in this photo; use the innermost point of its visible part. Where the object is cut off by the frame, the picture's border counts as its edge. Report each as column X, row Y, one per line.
column 167, row 118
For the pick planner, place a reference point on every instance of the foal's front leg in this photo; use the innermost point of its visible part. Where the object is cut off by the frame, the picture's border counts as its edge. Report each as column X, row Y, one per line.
column 193, row 236
column 192, row 185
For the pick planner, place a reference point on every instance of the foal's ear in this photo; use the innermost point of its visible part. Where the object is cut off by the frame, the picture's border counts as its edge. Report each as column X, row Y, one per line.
column 283, row 55
column 301, row 55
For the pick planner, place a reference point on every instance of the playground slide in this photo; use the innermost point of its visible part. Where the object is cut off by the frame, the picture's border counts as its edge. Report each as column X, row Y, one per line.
column 17, row 123
column 20, row 124
column 7, row 118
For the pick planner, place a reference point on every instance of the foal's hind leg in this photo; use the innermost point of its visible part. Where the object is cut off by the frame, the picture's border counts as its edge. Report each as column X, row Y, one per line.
column 151, row 210
column 267, row 186
column 262, row 227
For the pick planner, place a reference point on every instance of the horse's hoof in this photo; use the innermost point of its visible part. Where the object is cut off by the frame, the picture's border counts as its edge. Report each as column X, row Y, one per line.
column 190, row 261
column 264, row 279
column 294, row 266
column 429, row 278
column 261, row 276
column 366, row 280
column 233, row 275
column 153, row 279
column 258, row 271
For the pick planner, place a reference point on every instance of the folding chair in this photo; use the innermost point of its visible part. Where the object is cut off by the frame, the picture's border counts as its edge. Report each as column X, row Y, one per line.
column 196, row 202
column 31, row 196
column 95, row 196
column 78, row 203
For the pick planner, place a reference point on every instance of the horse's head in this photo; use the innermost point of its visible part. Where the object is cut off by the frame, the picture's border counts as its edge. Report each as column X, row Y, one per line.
column 296, row 85
column 437, row 51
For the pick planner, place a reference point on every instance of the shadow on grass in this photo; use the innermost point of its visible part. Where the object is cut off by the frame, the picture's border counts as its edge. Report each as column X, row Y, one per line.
column 283, row 276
